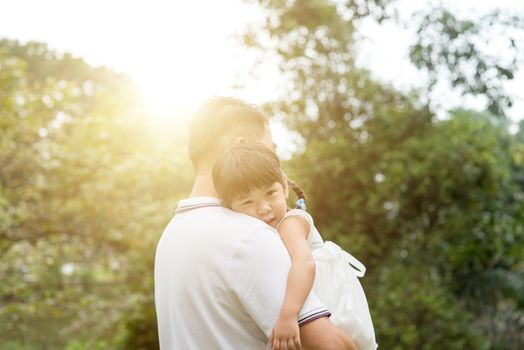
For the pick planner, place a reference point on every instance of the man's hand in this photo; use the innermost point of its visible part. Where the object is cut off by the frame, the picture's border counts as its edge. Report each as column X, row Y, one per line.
column 285, row 334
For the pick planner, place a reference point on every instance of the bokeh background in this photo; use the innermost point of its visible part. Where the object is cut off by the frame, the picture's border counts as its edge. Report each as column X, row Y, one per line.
column 401, row 119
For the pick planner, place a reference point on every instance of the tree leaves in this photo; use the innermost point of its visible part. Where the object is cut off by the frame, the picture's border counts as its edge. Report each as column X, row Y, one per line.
column 433, row 207
column 459, row 50
column 85, row 190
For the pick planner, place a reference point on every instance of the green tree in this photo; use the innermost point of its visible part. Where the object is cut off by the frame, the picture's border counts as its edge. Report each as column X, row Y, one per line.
column 433, row 208
column 457, row 52
column 86, row 187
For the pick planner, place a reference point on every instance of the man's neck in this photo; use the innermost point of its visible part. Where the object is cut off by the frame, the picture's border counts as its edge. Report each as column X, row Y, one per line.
column 203, row 186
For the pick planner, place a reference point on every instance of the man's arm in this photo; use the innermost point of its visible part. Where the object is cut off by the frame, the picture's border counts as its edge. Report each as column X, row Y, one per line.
column 322, row 334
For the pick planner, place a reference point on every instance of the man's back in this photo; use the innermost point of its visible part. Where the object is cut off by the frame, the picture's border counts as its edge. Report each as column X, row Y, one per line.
column 220, row 279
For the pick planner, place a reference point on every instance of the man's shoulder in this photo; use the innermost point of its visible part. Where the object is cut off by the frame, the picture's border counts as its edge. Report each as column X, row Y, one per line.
column 244, row 227
column 246, row 222
column 207, row 210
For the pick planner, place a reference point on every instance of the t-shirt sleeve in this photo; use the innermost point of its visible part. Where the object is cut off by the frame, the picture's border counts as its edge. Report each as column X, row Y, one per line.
column 258, row 277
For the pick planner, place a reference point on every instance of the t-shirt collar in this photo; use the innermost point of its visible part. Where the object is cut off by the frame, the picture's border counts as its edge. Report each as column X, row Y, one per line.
column 197, row 202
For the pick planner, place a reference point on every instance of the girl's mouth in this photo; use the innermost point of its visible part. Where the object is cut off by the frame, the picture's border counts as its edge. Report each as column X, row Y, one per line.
column 269, row 221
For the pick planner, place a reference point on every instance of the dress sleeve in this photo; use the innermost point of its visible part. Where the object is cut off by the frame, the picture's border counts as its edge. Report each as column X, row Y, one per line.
column 303, row 214
column 258, row 277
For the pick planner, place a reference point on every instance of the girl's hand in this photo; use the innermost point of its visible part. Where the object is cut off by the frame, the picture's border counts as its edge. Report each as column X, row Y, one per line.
column 285, row 334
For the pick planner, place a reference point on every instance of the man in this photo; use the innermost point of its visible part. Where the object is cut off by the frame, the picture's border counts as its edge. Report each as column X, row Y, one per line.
column 220, row 276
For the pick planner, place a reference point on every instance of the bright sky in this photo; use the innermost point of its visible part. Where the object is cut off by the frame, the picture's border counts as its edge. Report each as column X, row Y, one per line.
column 182, row 52
column 385, row 53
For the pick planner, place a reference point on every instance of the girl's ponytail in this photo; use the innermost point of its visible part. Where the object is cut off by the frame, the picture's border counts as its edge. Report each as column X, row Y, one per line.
column 301, row 202
column 300, row 194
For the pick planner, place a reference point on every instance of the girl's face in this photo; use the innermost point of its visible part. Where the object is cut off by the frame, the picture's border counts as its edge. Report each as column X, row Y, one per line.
column 267, row 204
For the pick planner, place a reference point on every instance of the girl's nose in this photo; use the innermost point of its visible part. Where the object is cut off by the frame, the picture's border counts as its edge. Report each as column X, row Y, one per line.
column 264, row 208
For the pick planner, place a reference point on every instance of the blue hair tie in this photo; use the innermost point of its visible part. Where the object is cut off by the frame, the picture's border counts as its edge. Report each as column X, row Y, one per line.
column 301, row 204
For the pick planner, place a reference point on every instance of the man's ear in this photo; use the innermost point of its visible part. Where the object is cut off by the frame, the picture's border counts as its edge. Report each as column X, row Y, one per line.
column 240, row 140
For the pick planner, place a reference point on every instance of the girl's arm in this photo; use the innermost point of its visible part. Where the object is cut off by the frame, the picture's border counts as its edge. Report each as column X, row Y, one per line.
column 293, row 231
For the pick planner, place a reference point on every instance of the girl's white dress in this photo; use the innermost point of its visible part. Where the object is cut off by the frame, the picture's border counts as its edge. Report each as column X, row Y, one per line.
column 337, row 286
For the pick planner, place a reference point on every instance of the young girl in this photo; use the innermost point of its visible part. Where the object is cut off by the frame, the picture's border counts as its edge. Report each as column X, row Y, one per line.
column 249, row 180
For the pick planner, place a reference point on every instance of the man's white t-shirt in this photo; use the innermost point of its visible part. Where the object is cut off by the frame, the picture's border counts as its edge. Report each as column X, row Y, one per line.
column 220, row 279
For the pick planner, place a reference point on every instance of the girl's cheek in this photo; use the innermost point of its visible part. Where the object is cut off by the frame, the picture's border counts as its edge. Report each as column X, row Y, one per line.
column 251, row 211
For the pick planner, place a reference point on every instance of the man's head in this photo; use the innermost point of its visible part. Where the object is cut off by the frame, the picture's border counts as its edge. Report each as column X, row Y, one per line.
column 221, row 123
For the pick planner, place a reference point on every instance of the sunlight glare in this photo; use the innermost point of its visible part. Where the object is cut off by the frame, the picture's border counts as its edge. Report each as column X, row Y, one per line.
column 193, row 55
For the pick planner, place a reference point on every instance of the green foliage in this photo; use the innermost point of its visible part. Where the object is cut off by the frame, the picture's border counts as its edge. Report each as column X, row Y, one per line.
column 457, row 49
column 86, row 188
column 139, row 334
column 420, row 313
column 458, row 209
column 433, row 207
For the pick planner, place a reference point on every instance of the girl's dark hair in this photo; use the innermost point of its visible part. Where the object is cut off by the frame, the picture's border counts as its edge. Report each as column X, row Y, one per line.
column 298, row 191
column 244, row 168
column 247, row 167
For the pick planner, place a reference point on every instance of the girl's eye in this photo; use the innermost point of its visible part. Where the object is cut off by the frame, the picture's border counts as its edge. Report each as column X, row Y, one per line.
column 247, row 202
column 270, row 193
